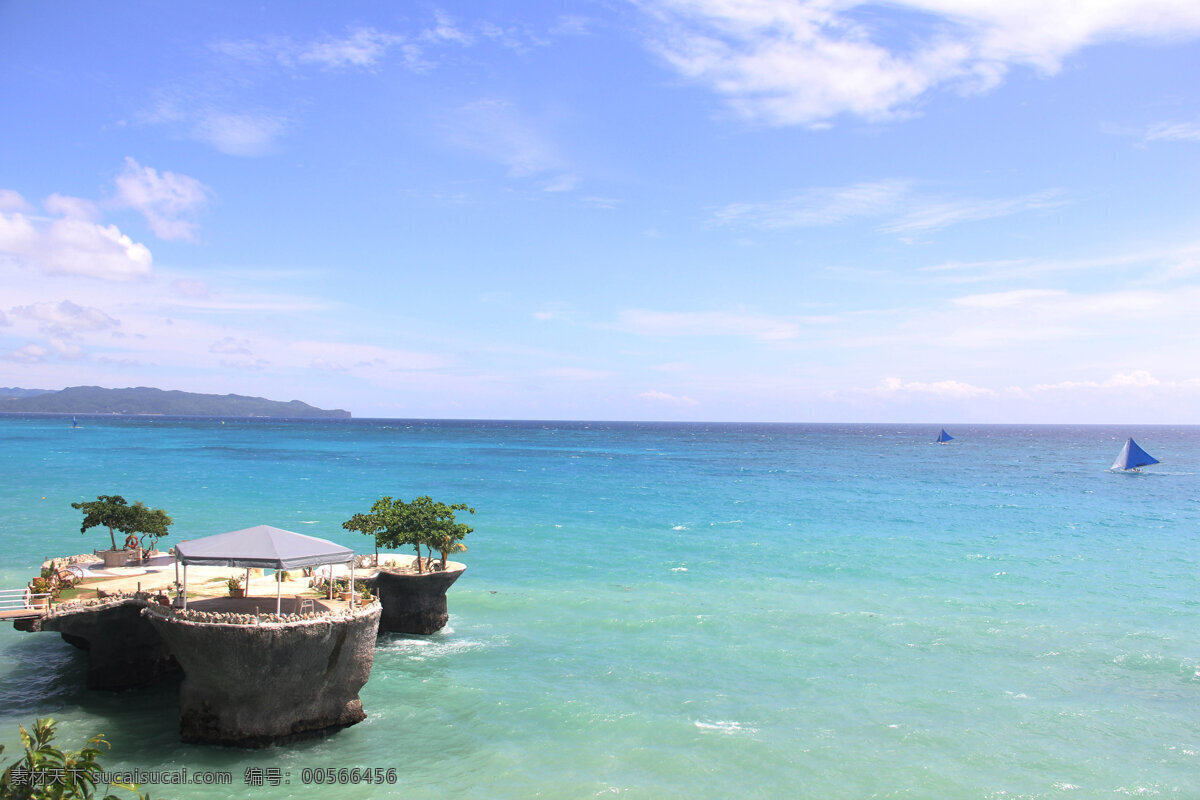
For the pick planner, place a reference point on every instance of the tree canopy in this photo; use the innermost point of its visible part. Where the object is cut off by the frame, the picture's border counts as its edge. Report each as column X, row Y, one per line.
column 135, row 521
column 423, row 522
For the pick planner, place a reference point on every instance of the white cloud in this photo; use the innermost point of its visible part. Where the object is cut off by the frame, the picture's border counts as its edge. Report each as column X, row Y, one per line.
column 231, row 346
column 73, row 207
column 17, row 234
column 65, row 318
column 29, row 354
column 784, row 62
column 12, row 201
column 1135, row 379
column 363, row 47
column 162, row 198
column 72, row 245
column 954, row 390
column 655, row 396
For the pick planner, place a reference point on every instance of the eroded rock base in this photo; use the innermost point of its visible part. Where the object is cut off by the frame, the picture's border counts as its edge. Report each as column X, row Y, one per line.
column 257, row 685
column 414, row 603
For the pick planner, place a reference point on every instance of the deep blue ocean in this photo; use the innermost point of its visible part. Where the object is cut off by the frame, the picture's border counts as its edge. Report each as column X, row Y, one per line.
column 685, row 610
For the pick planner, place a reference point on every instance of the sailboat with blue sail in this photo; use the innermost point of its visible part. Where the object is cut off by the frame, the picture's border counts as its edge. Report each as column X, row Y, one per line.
column 1132, row 456
column 74, row 422
column 944, row 437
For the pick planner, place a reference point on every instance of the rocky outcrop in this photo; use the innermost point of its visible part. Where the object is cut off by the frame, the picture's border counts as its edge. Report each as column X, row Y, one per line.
column 415, row 602
column 124, row 650
column 252, row 685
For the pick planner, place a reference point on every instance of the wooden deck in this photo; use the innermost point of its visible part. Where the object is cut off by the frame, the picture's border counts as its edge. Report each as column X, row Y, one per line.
column 22, row 613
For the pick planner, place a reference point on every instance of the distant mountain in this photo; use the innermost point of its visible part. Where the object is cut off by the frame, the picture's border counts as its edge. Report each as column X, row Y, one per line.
column 7, row 392
column 143, row 400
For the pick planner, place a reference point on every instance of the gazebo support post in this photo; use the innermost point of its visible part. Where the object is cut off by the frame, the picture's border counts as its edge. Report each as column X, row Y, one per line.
column 278, row 592
column 352, row 584
column 185, row 586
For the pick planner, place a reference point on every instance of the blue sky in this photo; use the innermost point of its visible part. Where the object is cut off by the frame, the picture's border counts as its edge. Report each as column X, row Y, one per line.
column 928, row 210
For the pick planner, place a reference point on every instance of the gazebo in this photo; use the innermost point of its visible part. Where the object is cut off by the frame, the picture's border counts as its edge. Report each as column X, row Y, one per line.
column 260, row 547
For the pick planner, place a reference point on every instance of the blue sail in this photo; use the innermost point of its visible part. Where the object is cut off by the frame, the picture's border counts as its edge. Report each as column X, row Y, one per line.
column 1132, row 457
column 944, row 437
column 74, row 422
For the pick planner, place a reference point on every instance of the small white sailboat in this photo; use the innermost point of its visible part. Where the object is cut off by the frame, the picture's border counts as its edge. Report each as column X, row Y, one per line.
column 1132, row 456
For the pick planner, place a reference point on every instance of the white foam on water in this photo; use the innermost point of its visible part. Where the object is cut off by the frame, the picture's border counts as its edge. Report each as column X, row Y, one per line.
column 725, row 726
column 678, row 569
column 426, row 649
column 680, row 528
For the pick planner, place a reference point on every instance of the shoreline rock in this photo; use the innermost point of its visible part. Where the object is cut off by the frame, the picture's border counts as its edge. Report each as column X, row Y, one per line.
column 271, row 682
column 415, row 602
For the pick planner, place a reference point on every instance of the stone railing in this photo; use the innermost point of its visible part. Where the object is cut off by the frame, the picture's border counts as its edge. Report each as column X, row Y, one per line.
column 111, row 599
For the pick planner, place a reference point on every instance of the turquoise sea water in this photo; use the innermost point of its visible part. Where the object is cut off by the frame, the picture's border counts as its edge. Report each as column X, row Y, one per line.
column 699, row 611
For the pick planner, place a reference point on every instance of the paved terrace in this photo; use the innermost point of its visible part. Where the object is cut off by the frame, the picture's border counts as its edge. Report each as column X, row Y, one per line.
column 207, row 589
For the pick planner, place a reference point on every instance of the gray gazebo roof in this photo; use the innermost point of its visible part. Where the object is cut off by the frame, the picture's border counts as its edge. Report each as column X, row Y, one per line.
column 262, row 547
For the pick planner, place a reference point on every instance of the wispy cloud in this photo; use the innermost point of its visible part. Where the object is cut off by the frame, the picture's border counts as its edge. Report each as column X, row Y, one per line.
column 818, row 207
column 896, row 204
column 1174, row 132
column 664, row 398
column 934, row 216
column 65, row 319
column 498, row 131
column 709, row 323
column 243, row 133
column 805, row 62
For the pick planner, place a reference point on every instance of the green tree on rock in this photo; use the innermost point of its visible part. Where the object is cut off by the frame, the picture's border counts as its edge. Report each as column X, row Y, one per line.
column 372, row 525
column 135, row 521
column 422, row 523
column 111, row 511
column 147, row 522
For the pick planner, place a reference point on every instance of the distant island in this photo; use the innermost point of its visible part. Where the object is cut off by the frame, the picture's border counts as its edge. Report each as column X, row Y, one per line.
column 144, row 400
